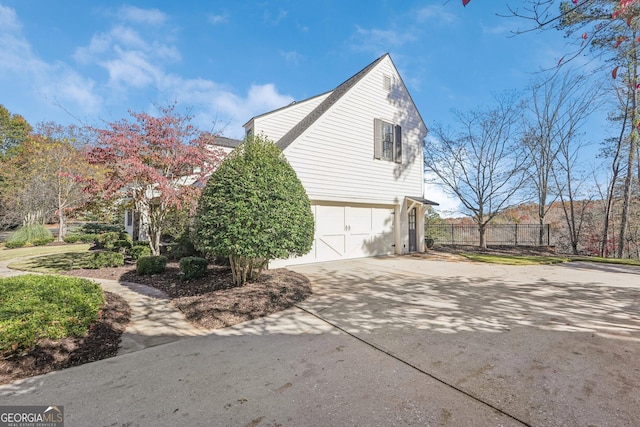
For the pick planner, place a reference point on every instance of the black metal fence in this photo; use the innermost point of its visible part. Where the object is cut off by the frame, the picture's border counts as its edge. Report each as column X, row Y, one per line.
column 495, row 234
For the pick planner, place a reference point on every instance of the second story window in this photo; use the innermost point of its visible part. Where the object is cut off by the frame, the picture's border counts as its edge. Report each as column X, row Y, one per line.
column 387, row 141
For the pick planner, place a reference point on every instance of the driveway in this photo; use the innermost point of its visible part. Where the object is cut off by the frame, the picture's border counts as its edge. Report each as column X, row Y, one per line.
column 548, row 345
column 388, row 341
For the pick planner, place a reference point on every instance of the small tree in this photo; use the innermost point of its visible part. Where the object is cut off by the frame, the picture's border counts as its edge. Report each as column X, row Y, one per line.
column 480, row 163
column 155, row 162
column 254, row 209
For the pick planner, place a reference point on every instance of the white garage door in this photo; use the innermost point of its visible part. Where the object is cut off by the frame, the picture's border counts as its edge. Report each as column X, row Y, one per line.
column 344, row 232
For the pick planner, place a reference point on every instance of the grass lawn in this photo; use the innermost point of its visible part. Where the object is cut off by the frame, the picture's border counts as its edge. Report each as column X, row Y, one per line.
column 45, row 306
column 608, row 260
column 55, row 263
column 537, row 259
column 7, row 254
column 516, row 259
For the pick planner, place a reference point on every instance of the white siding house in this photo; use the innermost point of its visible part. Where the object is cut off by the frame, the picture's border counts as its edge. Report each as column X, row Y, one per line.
column 358, row 151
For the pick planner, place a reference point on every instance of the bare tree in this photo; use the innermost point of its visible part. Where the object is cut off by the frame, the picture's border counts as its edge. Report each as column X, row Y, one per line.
column 570, row 185
column 479, row 163
column 559, row 107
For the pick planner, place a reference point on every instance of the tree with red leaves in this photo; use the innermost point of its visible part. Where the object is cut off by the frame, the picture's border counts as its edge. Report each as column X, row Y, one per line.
column 159, row 164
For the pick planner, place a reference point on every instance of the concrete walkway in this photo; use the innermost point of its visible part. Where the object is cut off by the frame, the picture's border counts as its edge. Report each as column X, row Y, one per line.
column 154, row 320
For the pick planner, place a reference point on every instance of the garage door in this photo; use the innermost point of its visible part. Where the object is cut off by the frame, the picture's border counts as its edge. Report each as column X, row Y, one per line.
column 344, row 232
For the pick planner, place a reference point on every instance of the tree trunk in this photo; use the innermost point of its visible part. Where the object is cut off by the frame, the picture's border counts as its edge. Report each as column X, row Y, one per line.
column 633, row 146
column 482, row 228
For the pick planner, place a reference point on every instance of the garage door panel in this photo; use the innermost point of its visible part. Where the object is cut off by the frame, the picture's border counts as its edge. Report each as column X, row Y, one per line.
column 358, row 220
column 330, row 247
column 330, row 220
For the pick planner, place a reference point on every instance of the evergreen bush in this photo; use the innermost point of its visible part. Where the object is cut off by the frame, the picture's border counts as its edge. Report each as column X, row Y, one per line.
column 193, row 267
column 148, row 265
column 105, row 259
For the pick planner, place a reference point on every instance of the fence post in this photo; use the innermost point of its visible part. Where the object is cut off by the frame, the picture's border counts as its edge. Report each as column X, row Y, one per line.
column 516, row 233
column 548, row 237
column 453, row 240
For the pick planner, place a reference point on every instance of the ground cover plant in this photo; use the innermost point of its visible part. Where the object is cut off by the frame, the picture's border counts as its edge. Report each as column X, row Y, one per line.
column 36, row 307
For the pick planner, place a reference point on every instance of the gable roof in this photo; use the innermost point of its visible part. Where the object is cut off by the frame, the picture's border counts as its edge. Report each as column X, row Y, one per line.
column 317, row 112
column 223, row 141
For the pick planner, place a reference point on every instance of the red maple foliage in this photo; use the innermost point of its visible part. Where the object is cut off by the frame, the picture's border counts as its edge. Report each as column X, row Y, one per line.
column 159, row 163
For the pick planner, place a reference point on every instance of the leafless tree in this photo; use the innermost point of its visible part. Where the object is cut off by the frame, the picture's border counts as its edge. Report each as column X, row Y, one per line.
column 480, row 162
column 558, row 108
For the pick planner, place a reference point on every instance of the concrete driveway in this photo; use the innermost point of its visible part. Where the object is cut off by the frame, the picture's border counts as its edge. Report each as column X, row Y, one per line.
column 388, row 341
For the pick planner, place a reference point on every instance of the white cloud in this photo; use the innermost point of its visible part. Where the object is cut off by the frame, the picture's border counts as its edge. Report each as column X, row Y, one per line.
column 136, row 65
column 291, row 57
column 449, row 206
column 274, row 18
column 141, row 16
column 55, row 82
column 8, row 20
column 218, row 19
column 379, row 41
column 436, row 13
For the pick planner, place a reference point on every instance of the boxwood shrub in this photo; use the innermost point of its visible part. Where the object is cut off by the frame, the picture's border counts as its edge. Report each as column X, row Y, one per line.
column 147, row 265
column 193, row 267
column 105, row 259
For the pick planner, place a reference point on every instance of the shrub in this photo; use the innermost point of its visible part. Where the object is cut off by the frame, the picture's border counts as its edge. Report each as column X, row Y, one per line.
column 147, row 265
column 96, row 228
column 30, row 235
column 121, row 245
column 80, row 237
column 105, row 259
column 71, row 238
column 182, row 248
column 254, row 209
column 193, row 267
column 45, row 306
column 137, row 251
column 15, row 244
column 41, row 242
column 113, row 240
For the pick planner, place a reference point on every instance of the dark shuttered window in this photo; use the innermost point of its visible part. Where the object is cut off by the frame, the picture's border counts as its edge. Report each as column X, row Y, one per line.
column 387, row 141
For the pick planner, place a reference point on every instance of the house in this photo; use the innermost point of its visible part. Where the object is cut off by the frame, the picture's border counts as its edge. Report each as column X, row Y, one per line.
column 358, row 151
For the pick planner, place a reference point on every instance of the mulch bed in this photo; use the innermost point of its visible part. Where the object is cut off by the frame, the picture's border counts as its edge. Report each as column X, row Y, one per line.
column 213, row 301
column 101, row 342
column 209, row 302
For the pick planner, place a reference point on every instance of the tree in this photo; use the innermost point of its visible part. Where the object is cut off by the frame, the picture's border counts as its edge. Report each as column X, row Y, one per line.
column 480, row 164
column 609, row 31
column 158, row 163
column 559, row 106
column 254, row 209
column 47, row 175
column 14, row 130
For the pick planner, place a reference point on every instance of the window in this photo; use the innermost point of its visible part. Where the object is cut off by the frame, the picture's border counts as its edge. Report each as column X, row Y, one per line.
column 388, row 141
column 129, row 218
column 249, row 133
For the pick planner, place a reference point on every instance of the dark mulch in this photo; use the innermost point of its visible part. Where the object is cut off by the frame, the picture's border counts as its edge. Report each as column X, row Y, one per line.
column 213, row 301
column 101, row 342
column 209, row 302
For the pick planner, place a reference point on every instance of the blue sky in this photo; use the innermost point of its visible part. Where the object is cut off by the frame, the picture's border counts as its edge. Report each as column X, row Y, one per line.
column 82, row 61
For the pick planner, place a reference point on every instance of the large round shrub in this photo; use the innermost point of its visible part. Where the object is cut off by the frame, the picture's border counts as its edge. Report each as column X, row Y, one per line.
column 254, row 209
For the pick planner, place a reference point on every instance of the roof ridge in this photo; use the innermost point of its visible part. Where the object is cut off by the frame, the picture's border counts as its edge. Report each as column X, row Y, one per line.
column 328, row 102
